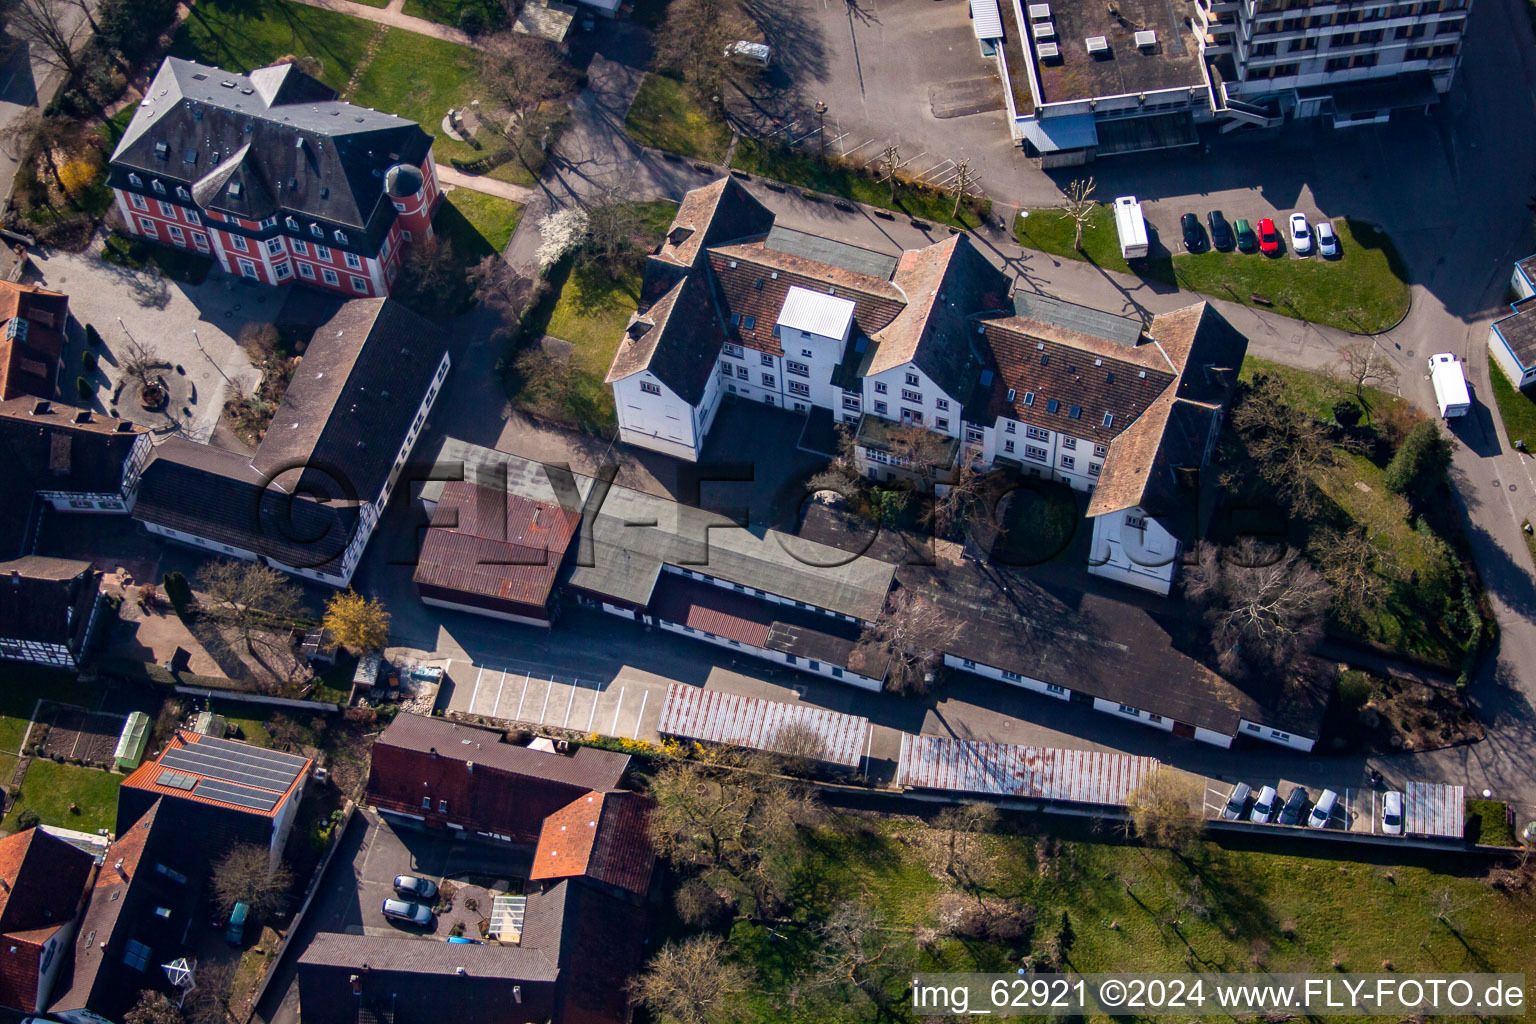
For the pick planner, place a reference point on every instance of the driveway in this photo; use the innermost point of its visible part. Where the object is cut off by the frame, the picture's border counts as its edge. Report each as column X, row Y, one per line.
column 191, row 326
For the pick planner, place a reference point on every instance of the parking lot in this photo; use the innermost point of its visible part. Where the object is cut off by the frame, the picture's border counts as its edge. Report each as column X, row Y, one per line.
column 1357, row 811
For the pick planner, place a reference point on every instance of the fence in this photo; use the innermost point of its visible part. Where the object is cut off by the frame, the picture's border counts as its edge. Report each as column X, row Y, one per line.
column 256, row 698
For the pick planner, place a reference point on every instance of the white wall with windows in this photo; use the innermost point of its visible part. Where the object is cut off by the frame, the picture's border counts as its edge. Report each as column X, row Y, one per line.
column 652, row 415
column 1257, row 731
column 905, row 394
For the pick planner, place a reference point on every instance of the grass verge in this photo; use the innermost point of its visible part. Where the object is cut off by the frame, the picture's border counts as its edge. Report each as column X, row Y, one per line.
column 665, row 116
column 50, row 788
column 448, row 12
column 494, row 219
column 241, row 36
column 1488, row 823
column 1516, row 408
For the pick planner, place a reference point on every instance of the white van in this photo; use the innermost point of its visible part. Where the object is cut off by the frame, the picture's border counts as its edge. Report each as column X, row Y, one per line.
column 749, row 52
column 1132, row 228
column 1322, row 811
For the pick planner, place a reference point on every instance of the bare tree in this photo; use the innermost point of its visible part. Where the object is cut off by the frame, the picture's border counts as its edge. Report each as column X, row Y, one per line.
column 248, row 594
column 891, row 164
column 1264, row 604
column 613, row 221
column 693, row 40
column 691, row 982
column 1365, row 364
column 927, row 453
column 1165, row 809
column 53, row 27
column 501, row 288
column 153, row 1008
column 1350, row 562
column 1078, row 206
column 857, row 950
column 31, row 133
column 546, row 381
column 1283, row 444
column 259, row 342
column 141, row 362
column 208, row 1002
column 800, row 745
column 520, row 74
column 963, row 505
column 247, row 875
column 431, row 273
column 699, row 904
column 963, row 185
column 965, row 822
column 909, row 639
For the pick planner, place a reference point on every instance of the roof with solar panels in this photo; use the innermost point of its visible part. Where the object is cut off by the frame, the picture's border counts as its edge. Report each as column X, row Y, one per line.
column 225, row 773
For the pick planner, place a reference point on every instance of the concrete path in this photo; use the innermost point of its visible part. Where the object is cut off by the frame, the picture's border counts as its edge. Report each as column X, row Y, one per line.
column 395, row 17
column 448, row 175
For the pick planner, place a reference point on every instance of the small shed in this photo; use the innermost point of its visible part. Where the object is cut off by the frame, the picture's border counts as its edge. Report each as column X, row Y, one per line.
column 317, row 647
column 986, row 20
column 206, row 723
column 367, row 673
column 1434, row 809
column 546, row 19
column 131, row 741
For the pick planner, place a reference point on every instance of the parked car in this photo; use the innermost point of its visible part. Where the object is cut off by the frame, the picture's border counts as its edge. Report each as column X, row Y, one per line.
column 234, row 931
column 1194, row 238
column 1290, row 814
column 1237, row 801
column 1221, row 231
column 414, row 885
column 1322, row 811
column 401, row 912
column 1327, row 241
column 1247, row 241
column 1269, row 238
column 1301, row 235
column 1392, row 813
column 459, row 940
column 1263, row 805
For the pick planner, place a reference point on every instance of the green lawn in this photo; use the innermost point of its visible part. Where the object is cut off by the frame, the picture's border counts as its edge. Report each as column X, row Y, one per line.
column 446, row 12
column 493, row 218
column 1516, row 408
column 1316, row 393
column 50, row 788
column 1120, row 907
column 244, row 34
column 807, row 171
column 1489, row 820
column 1364, row 290
column 249, row 717
column 666, row 116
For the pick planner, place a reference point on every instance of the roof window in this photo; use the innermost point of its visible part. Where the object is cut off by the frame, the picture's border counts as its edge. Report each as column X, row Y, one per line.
column 1011, row 393
column 340, row 236
column 1053, row 405
column 1076, row 412
column 235, row 189
column 1109, row 419
column 1029, row 399
column 162, row 150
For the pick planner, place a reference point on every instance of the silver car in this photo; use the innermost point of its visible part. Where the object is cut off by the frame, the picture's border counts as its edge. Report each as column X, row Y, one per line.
column 1237, row 801
column 401, row 912
column 415, row 885
column 1392, row 813
column 1322, row 811
column 1263, row 805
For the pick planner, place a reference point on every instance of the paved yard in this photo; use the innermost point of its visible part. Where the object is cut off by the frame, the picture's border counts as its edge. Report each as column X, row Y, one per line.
column 193, row 326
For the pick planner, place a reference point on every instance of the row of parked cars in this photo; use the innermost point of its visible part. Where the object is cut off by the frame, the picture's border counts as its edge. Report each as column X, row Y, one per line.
column 1266, row 807
column 1266, row 239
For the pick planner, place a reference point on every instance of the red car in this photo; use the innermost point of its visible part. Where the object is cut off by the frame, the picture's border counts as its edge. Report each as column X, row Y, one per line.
column 1269, row 238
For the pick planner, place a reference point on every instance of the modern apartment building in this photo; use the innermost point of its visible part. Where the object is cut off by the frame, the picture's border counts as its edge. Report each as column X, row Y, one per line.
column 273, row 176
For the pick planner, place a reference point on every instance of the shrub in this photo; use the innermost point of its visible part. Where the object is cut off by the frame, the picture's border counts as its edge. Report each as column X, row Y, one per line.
column 1346, row 413
column 1354, row 689
column 92, row 336
column 84, row 387
column 28, row 819
column 472, row 20
column 88, row 362
column 1420, row 466
column 178, row 592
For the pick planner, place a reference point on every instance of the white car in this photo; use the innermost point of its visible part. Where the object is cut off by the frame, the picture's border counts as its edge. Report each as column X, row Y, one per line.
column 1322, row 811
column 1392, row 813
column 1301, row 235
column 1236, row 801
column 1327, row 241
column 1263, row 805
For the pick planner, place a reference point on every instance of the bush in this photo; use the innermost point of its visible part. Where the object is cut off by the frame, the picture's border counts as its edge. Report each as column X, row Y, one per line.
column 1354, row 689
column 88, row 362
column 178, row 592
column 84, row 387
column 1346, row 413
column 28, row 819
column 472, row 20
column 92, row 336
column 1419, row 468
column 699, row 904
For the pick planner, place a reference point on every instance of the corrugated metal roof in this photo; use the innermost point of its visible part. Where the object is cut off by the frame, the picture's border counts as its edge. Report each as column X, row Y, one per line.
column 1005, row 769
column 1434, row 809
column 986, row 19
column 817, row 312
column 714, row 717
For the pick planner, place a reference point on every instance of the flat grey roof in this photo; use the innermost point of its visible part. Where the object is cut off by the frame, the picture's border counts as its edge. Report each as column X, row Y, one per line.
column 1125, row 68
column 1122, row 330
column 837, row 254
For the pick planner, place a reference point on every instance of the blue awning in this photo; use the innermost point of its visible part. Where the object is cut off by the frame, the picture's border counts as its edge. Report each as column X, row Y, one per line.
column 1053, row 134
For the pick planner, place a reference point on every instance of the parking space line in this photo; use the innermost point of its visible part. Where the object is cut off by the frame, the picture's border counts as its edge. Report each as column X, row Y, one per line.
column 545, row 706
column 643, row 698
column 614, row 730
column 499, row 686
column 570, row 704
column 475, row 693
column 523, row 697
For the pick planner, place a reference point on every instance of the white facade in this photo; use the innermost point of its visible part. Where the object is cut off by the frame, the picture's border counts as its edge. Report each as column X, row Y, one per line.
column 1132, row 547
column 652, row 415
column 1519, row 375
column 119, row 502
column 905, row 394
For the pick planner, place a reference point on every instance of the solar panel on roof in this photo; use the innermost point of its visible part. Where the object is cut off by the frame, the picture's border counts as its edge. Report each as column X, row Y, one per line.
column 254, row 753
column 230, row 771
column 240, row 796
column 837, row 254
column 177, row 780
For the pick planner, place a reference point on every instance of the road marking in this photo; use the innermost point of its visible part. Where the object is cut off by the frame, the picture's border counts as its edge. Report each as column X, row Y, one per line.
column 496, row 709
column 475, row 694
column 593, row 716
column 545, row 708
column 522, row 698
column 614, row 730
column 645, row 696
column 570, row 703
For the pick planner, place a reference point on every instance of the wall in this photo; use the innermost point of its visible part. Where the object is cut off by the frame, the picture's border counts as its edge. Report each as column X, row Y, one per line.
column 1505, row 357
column 1010, row 677
column 498, row 612
column 742, row 588
column 1258, row 731
column 934, row 403
column 13, row 649
column 1145, row 558
column 799, row 664
column 659, row 420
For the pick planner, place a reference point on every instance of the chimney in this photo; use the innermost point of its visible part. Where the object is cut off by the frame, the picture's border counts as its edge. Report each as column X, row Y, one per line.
column 118, row 867
column 357, row 984
column 459, row 971
column 15, row 577
column 41, row 407
column 432, row 753
column 517, row 994
column 469, row 766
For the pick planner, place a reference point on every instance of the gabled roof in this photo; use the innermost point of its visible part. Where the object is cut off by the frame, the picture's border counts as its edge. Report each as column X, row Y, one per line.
column 718, row 212
column 29, row 350
column 283, row 137
column 945, row 284
column 601, row 836
column 47, row 600
column 677, row 339
column 586, row 767
column 44, row 879
column 488, row 542
column 47, row 445
column 224, row 773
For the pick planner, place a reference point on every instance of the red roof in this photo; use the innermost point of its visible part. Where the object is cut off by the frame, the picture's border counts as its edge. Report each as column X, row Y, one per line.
column 715, row 610
column 42, row 882
column 495, row 544
column 29, row 353
column 153, row 775
column 602, row 836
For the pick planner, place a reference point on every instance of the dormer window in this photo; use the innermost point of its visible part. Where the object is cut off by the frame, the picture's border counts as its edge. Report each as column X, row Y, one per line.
column 1054, row 405
column 291, row 223
column 235, row 189
column 158, row 186
column 189, row 157
column 182, row 193
column 316, row 230
column 1076, row 412
column 340, row 236
column 135, row 180
column 162, row 150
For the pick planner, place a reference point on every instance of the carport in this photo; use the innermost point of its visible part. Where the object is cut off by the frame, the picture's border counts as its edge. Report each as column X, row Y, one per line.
column 1060, row 141
column 987, row 22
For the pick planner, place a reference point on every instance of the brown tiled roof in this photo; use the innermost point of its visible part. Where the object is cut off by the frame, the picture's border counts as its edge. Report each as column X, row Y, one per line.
column 680, row 342
column 44, row 880
column 718, row 212
column 750, row 289
column 28, row 362
column 945, row 284
column 495, row 544
column 37, row 595
column 1096, row 376
column 602, row 836
column 587, row 767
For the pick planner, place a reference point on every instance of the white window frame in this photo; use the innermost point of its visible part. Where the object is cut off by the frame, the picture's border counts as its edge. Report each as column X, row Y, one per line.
column 329, row 276
column 306, row 271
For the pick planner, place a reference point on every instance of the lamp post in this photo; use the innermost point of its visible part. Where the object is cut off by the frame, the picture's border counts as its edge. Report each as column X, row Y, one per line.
column 821, row 130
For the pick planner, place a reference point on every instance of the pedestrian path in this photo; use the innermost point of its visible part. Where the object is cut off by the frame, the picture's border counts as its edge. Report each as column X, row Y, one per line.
column 448, row 175
column 395, row 17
